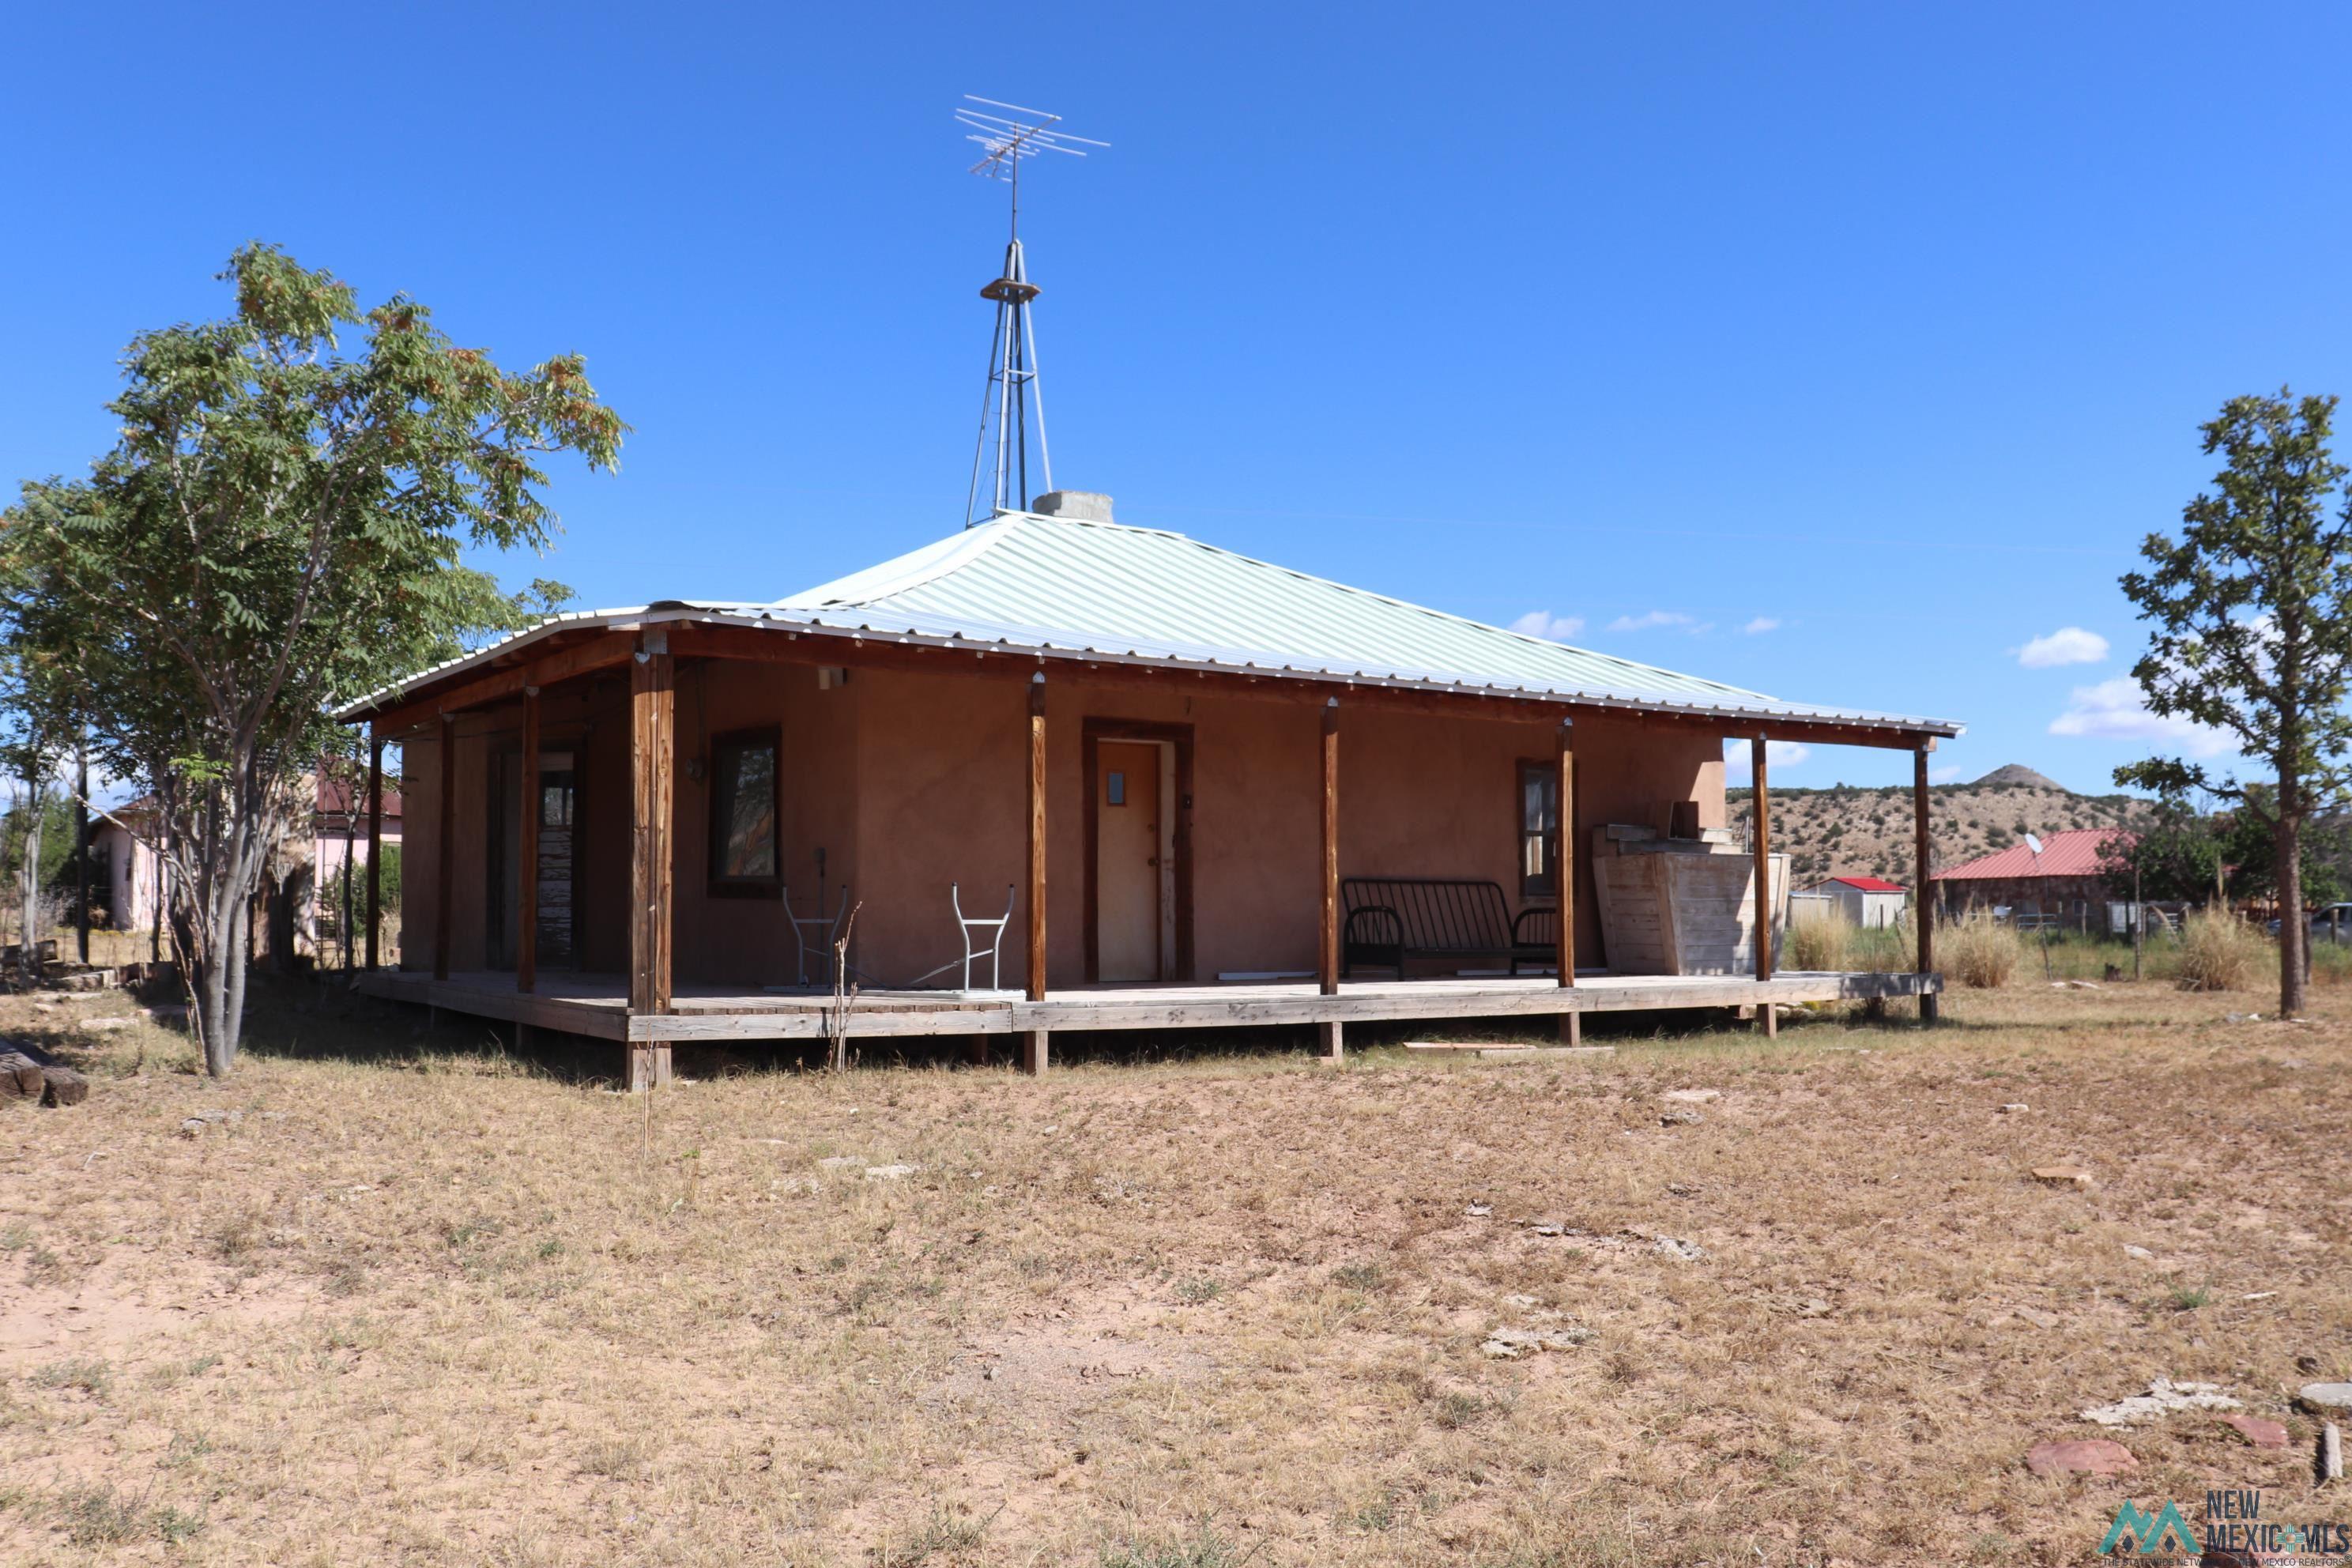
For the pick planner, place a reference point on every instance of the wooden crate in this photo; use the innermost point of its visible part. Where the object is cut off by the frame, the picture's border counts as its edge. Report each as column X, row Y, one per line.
column 1681, row 906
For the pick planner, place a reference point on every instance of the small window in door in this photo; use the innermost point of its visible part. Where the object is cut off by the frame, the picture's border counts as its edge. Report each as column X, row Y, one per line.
column 743, row 812
column 1114, row 789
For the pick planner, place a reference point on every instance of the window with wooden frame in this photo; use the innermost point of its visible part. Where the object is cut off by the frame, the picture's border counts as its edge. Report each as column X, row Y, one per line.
column 745, row 862
column 1539, row 830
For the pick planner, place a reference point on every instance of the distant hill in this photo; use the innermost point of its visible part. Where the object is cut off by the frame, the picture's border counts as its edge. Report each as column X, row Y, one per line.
column 1846, row 831
column 2019, row 774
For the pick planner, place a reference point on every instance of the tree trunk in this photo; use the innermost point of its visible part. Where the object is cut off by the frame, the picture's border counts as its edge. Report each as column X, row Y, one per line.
column 29, row 951
column 2294, row 934
column 233, row 1008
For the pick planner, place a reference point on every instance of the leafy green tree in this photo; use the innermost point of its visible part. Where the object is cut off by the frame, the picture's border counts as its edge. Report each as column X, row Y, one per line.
column 279, row 529
column 2251, row 607
column 2174, row 857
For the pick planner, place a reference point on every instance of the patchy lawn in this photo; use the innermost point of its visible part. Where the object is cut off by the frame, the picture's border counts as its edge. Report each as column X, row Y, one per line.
column 405, row 1299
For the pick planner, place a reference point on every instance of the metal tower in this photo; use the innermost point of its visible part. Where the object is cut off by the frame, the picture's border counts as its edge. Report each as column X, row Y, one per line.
column 1013, row 401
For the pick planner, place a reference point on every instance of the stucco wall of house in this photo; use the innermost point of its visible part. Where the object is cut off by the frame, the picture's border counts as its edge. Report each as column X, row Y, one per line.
column 909, row 781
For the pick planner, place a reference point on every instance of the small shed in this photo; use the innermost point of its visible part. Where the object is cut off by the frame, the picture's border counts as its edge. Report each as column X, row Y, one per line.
column 1865, row 900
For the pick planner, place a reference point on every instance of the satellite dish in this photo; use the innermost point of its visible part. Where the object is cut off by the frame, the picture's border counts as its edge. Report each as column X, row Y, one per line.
column 2033, row 844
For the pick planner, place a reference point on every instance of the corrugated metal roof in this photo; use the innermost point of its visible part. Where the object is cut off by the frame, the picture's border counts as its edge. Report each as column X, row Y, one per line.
column 1111, row 588
column 1072, row 588
column 2073, row 853
column 1871, row 884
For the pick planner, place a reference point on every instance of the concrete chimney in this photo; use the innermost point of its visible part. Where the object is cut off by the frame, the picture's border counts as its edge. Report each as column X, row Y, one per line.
column 1082, row 506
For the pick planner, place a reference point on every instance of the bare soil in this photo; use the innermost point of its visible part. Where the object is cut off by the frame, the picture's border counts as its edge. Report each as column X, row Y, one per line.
column 423, row 1302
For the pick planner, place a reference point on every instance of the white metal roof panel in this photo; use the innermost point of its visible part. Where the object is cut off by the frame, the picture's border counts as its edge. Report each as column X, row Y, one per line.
column 1074, row 588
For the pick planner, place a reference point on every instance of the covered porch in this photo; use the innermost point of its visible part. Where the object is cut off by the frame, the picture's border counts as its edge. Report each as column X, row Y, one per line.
column 597, row 1006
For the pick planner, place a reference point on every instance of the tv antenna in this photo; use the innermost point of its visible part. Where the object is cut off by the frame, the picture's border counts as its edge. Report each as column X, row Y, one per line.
column 1009, row 136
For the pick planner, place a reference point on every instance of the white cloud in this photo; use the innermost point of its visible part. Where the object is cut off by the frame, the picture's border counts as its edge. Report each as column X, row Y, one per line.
column 1653, row 619
column 1544, row 623
column 2117, row 711
column 1777, row 755
column 2067, row 645
column 1761, row 624
column 1945, row 775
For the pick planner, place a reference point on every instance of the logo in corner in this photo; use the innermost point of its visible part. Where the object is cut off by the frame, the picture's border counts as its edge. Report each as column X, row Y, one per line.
column 2162, row 1532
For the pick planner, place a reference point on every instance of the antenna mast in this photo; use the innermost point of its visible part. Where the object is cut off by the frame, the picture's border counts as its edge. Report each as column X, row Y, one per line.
column 1009, row 135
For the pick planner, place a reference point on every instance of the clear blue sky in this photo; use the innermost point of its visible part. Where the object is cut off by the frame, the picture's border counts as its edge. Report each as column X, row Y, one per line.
column 1892, row 329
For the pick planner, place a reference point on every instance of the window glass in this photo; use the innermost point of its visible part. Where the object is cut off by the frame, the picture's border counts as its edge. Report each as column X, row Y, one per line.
column 743, row 810
column 1539, row 830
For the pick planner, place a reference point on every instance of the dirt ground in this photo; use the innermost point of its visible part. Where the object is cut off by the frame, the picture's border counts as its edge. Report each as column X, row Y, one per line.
column 402, row 1298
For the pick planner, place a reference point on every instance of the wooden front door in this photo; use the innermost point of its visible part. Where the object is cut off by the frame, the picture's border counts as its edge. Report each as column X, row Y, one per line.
column 1126, row 860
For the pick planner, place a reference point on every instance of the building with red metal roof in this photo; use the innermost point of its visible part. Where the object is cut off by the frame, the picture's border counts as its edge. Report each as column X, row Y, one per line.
column 2063, row 880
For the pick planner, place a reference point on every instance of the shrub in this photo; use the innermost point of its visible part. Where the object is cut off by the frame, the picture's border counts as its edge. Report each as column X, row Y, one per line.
column 1977, row 951
column 2218, row 952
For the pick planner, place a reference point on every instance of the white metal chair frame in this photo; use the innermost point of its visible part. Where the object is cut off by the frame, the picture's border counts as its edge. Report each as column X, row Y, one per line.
column 966, row 924
column 818, row 921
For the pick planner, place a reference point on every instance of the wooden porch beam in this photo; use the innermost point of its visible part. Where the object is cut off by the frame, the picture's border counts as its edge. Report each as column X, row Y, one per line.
column 696, row 639
column 444, row 847
column 1564, row 876
column 1924, row 913
column 603, row 652
column 375, row 842
column 526, row 856
column 1762, row 803
column 1327, row 947
column 1036, row 1043
column 653, row 724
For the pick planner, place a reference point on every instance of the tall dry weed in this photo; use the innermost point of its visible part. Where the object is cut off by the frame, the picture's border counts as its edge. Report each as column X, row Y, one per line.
column 1979, row 951
column 1821, row 942
column 2217, row 951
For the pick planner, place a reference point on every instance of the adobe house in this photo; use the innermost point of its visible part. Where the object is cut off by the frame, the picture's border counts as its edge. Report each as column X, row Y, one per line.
column 1195, row 786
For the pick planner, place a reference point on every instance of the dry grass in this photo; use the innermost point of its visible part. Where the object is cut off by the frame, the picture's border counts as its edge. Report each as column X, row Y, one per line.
column 1979, row 951
column 2221, row 953
column 422, row 1303
column 1822, row 942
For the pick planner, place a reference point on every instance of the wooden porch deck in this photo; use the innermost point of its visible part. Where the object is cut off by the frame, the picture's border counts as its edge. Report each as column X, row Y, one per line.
column 597, row 1005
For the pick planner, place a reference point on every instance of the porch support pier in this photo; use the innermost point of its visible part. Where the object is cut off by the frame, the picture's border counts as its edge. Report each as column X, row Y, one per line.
column 653, row 735
column 1571, row 1025
column 1767, row 1017
column 375, row 840
column 1037, row 1045
column 527, row 862
column 1922, row 910
column 1327, row 950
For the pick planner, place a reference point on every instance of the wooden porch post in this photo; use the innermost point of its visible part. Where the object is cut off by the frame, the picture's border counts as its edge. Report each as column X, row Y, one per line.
column 1036, row 1044
column 527, row 858
column 375, row 839
column 444, row 848
column 1571, row 1025
column 653, row 714
column 1764, row 1016
column 1326, row 959
column 1925, row 913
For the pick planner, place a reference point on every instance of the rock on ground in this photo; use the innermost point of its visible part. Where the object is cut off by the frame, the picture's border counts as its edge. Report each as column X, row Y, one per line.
column 1510, row 1344
column 2163, row 1397
column 2261, row 1433
column 2326, row 1395
column 2079, row 1457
